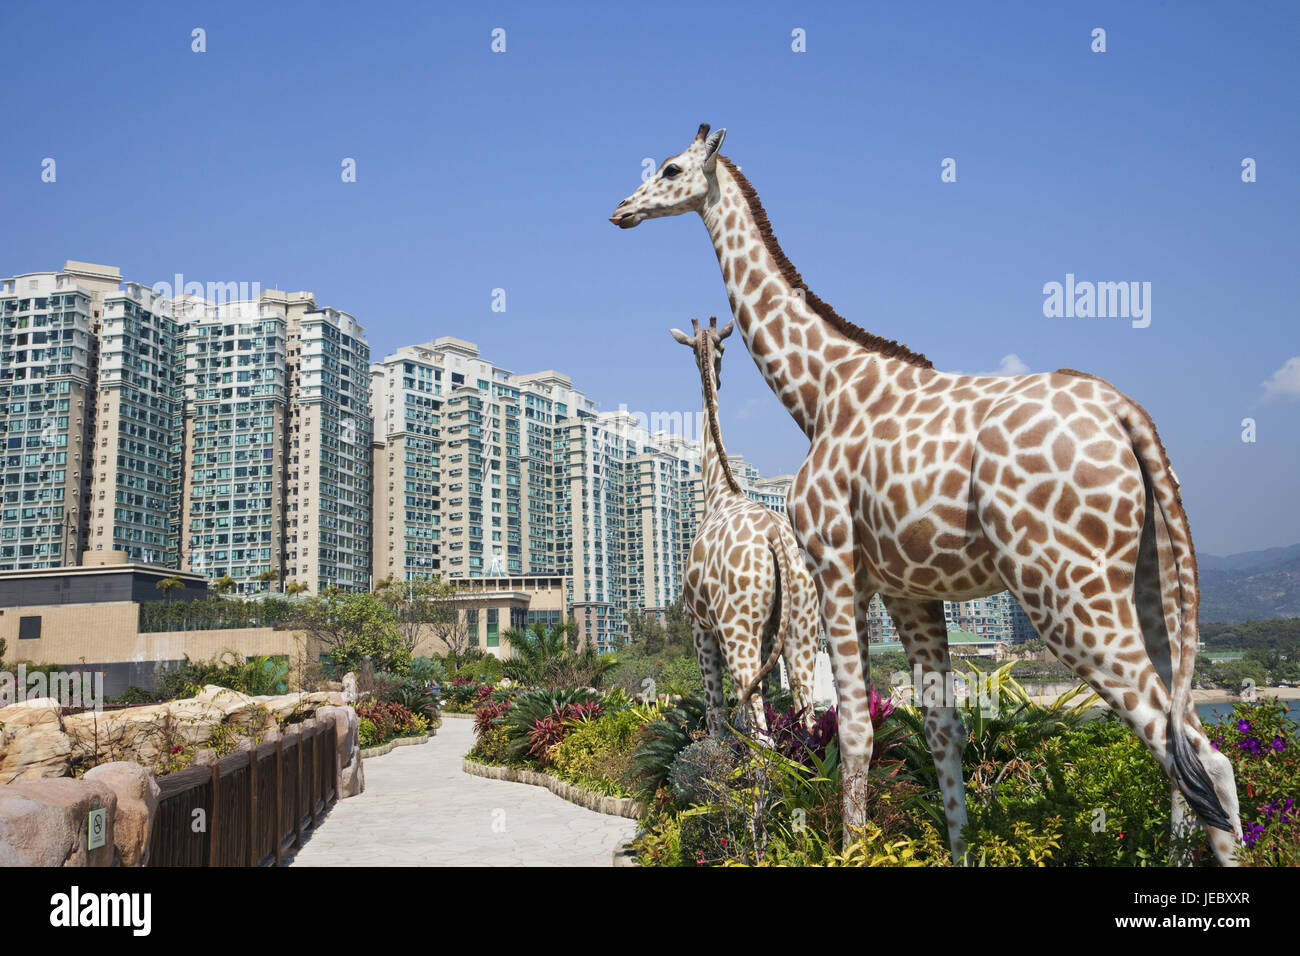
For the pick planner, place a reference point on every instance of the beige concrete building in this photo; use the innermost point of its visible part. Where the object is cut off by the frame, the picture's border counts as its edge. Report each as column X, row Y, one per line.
column 90, row 617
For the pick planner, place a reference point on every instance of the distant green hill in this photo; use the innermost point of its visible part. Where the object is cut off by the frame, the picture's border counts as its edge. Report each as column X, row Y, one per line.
column 1253, row 585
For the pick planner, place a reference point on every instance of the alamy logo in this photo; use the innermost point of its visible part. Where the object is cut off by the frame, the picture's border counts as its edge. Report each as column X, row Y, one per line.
column 687, row 425
column 216, row 292
column 77, row 689
column 132, row 910
column 1099, row 300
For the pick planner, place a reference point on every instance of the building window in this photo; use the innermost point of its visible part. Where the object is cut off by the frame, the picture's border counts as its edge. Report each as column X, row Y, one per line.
column 29, row 628
column 493, row 639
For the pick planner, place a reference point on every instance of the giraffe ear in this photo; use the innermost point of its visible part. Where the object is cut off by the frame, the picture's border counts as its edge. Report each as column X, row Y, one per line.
column 727, row 330
column 711, row 146
column 682, row 337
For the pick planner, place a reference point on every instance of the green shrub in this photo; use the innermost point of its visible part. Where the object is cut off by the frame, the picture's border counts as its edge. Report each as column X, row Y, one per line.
column 493, row 747
column 253, row 676
column 368, row 732
column 138, row 695
column 597, row 754
column 427, row 670
column 487, row 669
column 1096, row 788
column 698, row 771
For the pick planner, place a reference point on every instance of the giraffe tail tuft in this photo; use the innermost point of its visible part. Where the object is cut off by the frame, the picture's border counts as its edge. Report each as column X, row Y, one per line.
column 1192, row 778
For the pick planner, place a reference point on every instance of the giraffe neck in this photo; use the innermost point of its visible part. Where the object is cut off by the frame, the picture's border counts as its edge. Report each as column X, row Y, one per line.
column 793, row 337
column 719, row 481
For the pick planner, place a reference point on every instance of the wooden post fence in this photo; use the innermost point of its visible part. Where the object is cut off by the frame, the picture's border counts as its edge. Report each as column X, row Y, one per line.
column 254, row 803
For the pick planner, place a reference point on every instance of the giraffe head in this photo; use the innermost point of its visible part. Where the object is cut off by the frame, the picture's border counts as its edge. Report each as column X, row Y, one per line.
column 707, row 345
column 680, row 184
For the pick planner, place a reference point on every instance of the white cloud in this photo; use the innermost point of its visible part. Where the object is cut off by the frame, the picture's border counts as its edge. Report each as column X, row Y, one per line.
column 749, row 408
column 1285, row 383
column 1011, row 364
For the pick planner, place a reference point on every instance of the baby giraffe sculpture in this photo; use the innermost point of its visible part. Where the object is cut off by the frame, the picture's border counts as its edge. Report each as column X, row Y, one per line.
column 745, row 577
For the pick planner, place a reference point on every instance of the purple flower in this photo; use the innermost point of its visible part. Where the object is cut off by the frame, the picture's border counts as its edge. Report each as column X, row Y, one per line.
column 1251, row 746
column 1252, row 834
column 1279, row 743
column 1243, row 726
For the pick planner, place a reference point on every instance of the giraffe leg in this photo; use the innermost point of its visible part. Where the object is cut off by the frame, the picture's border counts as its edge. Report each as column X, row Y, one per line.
column 924, row 634
column 862, row 615
column 803, row 644
column 742, row 649
column 1099, row 639
column 835, row 584
column 710, row 660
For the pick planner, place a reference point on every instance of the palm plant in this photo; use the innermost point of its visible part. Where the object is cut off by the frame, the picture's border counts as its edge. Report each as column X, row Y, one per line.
column 224, row 584
column 533, row 651
column 662, row 740
column 548, row 656
column 168, row 585
column 537, row 716
column 268, row 577
column 998, row 735
column 295, row 587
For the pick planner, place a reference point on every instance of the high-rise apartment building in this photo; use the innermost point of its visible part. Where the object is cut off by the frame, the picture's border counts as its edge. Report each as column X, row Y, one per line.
column 138, row 453
column 465, row 464
column 231, row 438
column 48, row 369
column 328, row 448
column 235, row 422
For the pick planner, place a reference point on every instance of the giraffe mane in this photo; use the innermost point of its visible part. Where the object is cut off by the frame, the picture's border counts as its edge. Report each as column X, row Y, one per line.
column 715, row 430
column 887, row 348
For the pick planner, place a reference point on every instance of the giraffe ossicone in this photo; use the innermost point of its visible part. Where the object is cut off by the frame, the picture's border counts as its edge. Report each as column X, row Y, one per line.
column 924, row 486
column 746, row 583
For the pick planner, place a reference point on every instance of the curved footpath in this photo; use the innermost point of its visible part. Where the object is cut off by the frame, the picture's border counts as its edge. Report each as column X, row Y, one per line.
column 421, row 809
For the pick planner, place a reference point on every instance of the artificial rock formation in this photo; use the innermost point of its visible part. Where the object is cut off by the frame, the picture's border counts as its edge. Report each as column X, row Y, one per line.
column 137, row 801
column 44, row 822
column 32, row 742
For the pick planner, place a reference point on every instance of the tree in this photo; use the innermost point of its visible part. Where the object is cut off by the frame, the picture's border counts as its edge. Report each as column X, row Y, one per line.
column 295, row 587
column 678, row 631
column 223, row 585
column 645, row 632
column 352, row 626
column 441, row 610
column 424, row 607
column 168, row 585
column 268, row 577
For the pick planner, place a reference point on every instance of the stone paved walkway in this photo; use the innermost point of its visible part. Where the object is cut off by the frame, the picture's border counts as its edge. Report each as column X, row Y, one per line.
column 421, row 809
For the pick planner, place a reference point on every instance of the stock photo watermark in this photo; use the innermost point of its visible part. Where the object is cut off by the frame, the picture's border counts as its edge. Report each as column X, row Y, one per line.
column 74, row 689
column 1075, row 299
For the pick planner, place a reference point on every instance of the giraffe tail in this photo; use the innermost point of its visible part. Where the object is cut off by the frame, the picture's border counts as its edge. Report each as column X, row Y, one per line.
column 1189, row 772
column 779, row 552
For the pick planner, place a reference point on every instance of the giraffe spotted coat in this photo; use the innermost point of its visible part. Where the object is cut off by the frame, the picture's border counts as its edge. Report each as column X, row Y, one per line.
column 924, row 486
column 746, row 582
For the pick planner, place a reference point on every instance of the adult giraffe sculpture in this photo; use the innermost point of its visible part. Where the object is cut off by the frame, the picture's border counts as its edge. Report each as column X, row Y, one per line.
column 745, row 577
column 924, row 486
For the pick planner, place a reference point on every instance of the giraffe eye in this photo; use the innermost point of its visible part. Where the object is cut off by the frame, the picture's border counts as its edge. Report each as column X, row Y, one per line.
column 671, row 170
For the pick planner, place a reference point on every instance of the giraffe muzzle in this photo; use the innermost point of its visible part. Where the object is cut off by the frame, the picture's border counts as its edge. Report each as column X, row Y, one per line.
column 626, row 219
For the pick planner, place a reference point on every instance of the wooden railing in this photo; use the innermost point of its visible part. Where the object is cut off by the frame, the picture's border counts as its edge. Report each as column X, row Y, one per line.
column 249, row 808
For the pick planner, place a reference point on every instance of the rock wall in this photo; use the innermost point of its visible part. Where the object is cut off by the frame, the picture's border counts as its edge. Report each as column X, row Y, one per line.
column 44, row 810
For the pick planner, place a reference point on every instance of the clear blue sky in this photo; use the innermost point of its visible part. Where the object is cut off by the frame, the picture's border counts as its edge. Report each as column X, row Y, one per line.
column 479, row 170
